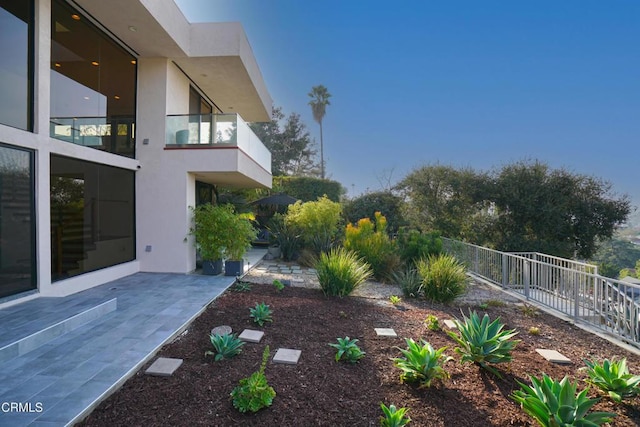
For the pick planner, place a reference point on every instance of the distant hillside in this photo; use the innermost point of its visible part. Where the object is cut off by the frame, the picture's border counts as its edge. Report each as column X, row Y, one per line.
column 616, row 254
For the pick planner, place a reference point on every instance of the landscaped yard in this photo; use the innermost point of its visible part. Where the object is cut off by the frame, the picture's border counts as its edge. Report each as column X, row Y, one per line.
column 319, row 391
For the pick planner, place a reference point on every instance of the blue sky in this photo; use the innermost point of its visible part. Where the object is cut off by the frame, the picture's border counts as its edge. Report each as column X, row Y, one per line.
column 458, row 82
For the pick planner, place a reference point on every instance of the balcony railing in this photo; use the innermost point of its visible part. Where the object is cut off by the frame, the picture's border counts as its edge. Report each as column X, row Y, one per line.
column 215, row 130
column 112, row 134
column 566, row 286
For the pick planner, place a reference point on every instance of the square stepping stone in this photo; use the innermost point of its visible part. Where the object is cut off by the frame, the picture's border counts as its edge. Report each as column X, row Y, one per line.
column 553, row 356
column 250, row 335
column 287, row 356
column 386, row 332
column 163, row 367
column 450, row 324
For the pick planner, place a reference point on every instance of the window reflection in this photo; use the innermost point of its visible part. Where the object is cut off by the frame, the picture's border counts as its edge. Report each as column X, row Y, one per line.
column 92, row 85
column 15, row 66
column 17, row 223
column 92, row 216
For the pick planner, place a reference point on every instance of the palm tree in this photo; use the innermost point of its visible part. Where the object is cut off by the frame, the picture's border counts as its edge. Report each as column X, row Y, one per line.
column 319, row 100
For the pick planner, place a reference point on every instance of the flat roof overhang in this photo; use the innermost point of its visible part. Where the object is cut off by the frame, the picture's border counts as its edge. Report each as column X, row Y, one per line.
column 217, row 57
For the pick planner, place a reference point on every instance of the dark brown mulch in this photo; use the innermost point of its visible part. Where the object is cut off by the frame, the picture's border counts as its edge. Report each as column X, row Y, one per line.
column 321, row 392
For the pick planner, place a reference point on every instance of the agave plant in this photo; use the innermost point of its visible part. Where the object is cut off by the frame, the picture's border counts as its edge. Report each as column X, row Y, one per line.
column 483, row 341
column 393, row 417
column 225, row 346
column 613, row 377
column 261, row 313
column 555, row 404
column 348, row 350
column 421, row 363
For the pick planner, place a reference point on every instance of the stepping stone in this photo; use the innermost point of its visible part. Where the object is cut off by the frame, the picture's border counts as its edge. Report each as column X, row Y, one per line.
column 450, row 324
column 386, row 332
column 250, row 335
column 163, row 367
column 221, row 330
column 287, row 356
column 553, row 356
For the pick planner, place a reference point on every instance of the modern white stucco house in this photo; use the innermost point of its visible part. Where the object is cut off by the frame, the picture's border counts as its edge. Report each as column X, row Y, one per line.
column 115, row 117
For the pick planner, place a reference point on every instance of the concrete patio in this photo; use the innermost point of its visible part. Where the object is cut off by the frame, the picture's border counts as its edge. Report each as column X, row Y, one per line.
column 61, row 356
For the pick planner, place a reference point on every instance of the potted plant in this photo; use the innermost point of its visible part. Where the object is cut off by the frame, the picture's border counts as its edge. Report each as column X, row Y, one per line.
column 210, row 224
column 240, row 233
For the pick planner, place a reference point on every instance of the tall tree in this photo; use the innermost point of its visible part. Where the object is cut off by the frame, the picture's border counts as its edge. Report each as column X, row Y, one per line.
column 319, row 100
column 524, row 206
column 291, row 146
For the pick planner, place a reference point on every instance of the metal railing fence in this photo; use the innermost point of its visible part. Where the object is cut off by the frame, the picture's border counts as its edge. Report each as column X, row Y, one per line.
column 570, row 287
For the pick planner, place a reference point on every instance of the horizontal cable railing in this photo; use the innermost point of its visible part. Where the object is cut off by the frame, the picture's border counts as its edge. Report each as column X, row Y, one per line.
column 569, row 287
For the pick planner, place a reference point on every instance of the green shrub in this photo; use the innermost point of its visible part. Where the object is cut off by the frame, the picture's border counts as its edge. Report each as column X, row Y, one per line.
column 278, row 285
column 410, row 282
column 370, row 240
column 254, row 393
column 395, row 299
column 225, row 346
column 483, row 341
column 286, row 236
column 348, row 350
column 340, row 271
column 421, row 363
column 261, row 313
column 555, row 404
column 393, row 417
column 315, row 220
column 308, row 188
column 613, row 378
column 366, row 205
column 414, row 245
column 443, row 278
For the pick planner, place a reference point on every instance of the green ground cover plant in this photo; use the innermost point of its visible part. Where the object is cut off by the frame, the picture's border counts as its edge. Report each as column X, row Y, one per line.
column 393, row 417
column 254, row 393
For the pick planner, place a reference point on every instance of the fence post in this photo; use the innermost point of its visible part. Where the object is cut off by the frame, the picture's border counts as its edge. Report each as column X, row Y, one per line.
column 505, row 271
column 527, row 277
column 576, row 290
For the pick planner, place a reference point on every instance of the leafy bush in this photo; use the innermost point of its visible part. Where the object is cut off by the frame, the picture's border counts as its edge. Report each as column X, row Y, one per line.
column 414, row 245
column 370, row 241
column 395, row 299
column 366, row 205
column 554, row 403
column 421, row 363
column 443, row 278
column 393, row 417
column 348, row 350
column 410, row 282
column 313, row 219
column 261, row 313
column 340, row 271
column 308, row 188
column 483, row 342
column 613, row 377
column 209, row 228
column 254, row 393
column 225, row 346
column 286, row 236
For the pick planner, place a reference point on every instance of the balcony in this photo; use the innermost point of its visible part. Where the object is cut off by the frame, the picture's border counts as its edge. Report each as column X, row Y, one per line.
column 112, row 134
column 238, row 157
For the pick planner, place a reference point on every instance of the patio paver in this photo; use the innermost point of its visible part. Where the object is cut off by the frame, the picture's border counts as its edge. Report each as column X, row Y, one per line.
column 250, row 335
column 163, row 367
column 386, row 332
column 287, row 356
column 553, row 356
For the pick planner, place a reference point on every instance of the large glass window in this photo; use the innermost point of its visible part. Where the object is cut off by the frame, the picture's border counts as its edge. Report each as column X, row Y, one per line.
column 16, row 61
column 93, row 85
column 92, row 216
column 17, row 222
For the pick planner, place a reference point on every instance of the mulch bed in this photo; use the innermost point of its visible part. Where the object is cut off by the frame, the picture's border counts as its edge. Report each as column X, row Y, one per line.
column 321, row 392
